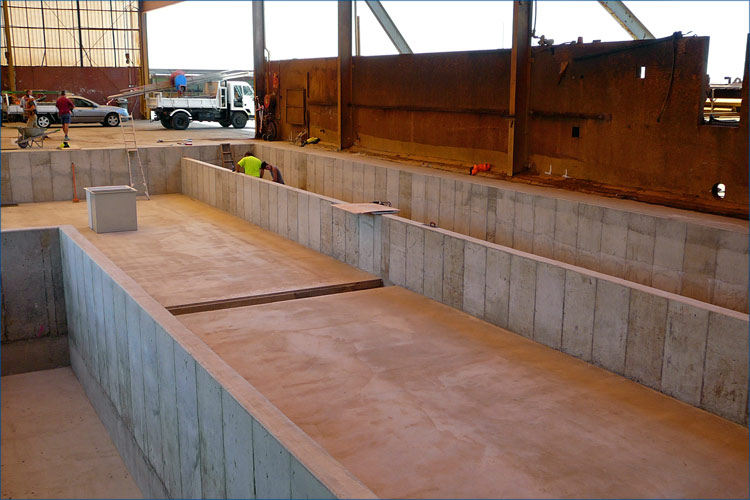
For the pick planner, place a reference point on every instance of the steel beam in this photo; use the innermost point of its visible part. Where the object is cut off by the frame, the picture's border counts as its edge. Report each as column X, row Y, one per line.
column 9, row 48
column 142, row 28
column 259, row 58
column 389, row 26
column 626, row 19
column 520, row 82
column 345, row 75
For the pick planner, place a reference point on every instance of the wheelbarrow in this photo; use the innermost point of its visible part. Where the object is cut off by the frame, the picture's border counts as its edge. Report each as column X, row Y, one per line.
column 28, row 136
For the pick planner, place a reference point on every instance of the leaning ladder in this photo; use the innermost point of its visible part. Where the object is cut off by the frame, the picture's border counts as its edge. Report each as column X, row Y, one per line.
column 131, row 151
column 227, row 161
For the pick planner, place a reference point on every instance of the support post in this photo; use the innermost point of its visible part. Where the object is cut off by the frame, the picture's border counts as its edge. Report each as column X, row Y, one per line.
column 143, row 40
column 345, row 75
column 9, row 48
column 520, row 83
column 259, row 59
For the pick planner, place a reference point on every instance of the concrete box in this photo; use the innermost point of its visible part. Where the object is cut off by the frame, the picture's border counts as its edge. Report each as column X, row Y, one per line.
column 111, row 208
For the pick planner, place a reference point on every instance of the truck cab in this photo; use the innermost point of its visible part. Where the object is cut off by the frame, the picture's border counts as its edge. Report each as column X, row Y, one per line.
column 242, row 97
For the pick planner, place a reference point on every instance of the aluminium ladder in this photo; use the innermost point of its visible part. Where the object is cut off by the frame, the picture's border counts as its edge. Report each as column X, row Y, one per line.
column 131, row 151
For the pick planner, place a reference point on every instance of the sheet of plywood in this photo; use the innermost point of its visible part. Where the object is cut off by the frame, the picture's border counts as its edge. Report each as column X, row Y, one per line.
column 366, row 208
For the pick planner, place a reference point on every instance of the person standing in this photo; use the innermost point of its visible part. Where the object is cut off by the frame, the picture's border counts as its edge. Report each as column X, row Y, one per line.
column 28, row 102
column 64, row 109
column 256, row 167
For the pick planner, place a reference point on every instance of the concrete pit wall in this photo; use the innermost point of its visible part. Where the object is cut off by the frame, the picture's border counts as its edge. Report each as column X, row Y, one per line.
column 34, row 326
column 39, row 176
column 693, row 351
column 629, row 240
column 185, row 423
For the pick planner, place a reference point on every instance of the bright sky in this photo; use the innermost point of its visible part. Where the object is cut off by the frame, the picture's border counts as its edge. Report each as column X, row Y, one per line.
column 218, row 34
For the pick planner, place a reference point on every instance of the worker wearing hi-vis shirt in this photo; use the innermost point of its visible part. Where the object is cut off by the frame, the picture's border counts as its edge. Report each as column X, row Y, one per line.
column 255, row 167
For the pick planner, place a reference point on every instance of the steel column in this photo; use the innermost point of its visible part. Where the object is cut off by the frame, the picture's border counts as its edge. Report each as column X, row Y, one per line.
column 259, row 59
column 389, row 26
column 142, row 30
column 9, row 48
column 345, row 75
column 520, row 83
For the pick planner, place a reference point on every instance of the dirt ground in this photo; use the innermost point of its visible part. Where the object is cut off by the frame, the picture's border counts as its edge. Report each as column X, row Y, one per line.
column 89, row 135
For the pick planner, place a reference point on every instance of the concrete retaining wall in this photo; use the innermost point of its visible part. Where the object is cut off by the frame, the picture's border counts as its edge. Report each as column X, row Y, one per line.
column 693, row 351
column 707, row 262
column 34, row 326
column 186, row 424
column 44, row 175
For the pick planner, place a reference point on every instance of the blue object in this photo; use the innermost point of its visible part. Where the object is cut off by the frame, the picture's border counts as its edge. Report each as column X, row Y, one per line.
column 180, row 80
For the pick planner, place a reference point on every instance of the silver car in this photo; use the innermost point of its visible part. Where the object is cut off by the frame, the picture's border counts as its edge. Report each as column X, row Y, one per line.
column 86, row 111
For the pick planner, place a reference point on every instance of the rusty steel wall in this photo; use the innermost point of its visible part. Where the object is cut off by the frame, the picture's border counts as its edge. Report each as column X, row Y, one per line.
column 93, row 83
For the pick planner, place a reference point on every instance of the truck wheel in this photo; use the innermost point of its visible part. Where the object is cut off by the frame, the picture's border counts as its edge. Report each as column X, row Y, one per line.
column 111, row 120
column 270, row 131
column 43, row 121
column 239, row 119
column 224, row 124
column 165, row 123
column 180, row 121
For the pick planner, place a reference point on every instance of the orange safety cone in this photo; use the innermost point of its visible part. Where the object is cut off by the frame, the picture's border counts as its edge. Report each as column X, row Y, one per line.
column 479, row 167
column 75, row 196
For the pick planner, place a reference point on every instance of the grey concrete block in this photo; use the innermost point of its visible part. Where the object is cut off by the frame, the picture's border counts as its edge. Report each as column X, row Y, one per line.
column 137, row 398
column 319, row 217
column 381, row 191
column 41, row 180
column 328, row 176
column 462, row 215
column 358, row 183
column 524, row 212
column 549, row 301
column 367, row 244
column 666, row 279
column 447, row 203
column 150, row 362
column 377, row 245
column 320, row 174
column 505, row 213
column 725, row 387
column 338, row 180
column 478, row 222
column 212, row 186
column 497, row 288
column 669, row 245
column 544, row 226
column 701, row 248
column 614, row 233
column 732, row 258
column 684, row 352
column 432, row 199
column 187, row 420
column 113, row 382
column 264, row 204
column 453, row 271
column 338, row 233
column 385, row 249
column 232, row 188
column 418, row 187
column 404, row 193
column 392, row 187
column 283, row 212
column 211, row 437
column 273, row 207
column 347, row 182
column 100, row 168
column 641, row 238
column 397, row 264
column 5, row 193
column 291, row 220
column 303, row 220
column 611, row 325
column 327, row 229
column 21, row 185
column 351, row 237
column 170, row 432
column 522, row 296
column 91, row 311
column 256, row 201
column 589, row 238
column 239, row 193
column 238, row 448
column 272, row 465
column 368, row 175
column 566, row 231
column 62, row 176
column 433, row 265
column 122, row 367
column 415, row 250
column 578, row 315
column 475, row 270
column 646, row 332
column 306, row 485
column 730, row 296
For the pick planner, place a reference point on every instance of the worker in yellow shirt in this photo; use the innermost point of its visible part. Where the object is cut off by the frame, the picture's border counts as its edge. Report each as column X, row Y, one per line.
column 254, row 166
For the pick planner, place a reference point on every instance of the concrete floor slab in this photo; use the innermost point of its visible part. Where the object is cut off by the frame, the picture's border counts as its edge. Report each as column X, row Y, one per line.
column 53, row 444
column 186, row 252
column 419, row 400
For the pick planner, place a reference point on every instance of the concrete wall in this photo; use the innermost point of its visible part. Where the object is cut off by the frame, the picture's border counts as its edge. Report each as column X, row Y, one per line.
column 34, row 326
column 669, row 251
column 186, row 424
column 693, row 351
column 44, row 175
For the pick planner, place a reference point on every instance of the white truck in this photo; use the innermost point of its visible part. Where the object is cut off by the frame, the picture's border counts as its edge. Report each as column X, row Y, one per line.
column 233, row 105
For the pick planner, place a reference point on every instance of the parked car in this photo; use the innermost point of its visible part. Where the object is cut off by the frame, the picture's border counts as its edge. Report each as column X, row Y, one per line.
column 86, row 111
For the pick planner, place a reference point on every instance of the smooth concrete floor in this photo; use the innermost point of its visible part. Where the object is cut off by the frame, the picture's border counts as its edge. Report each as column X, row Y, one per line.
column 53, row 444
column 186, row 252
column 419, row 400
